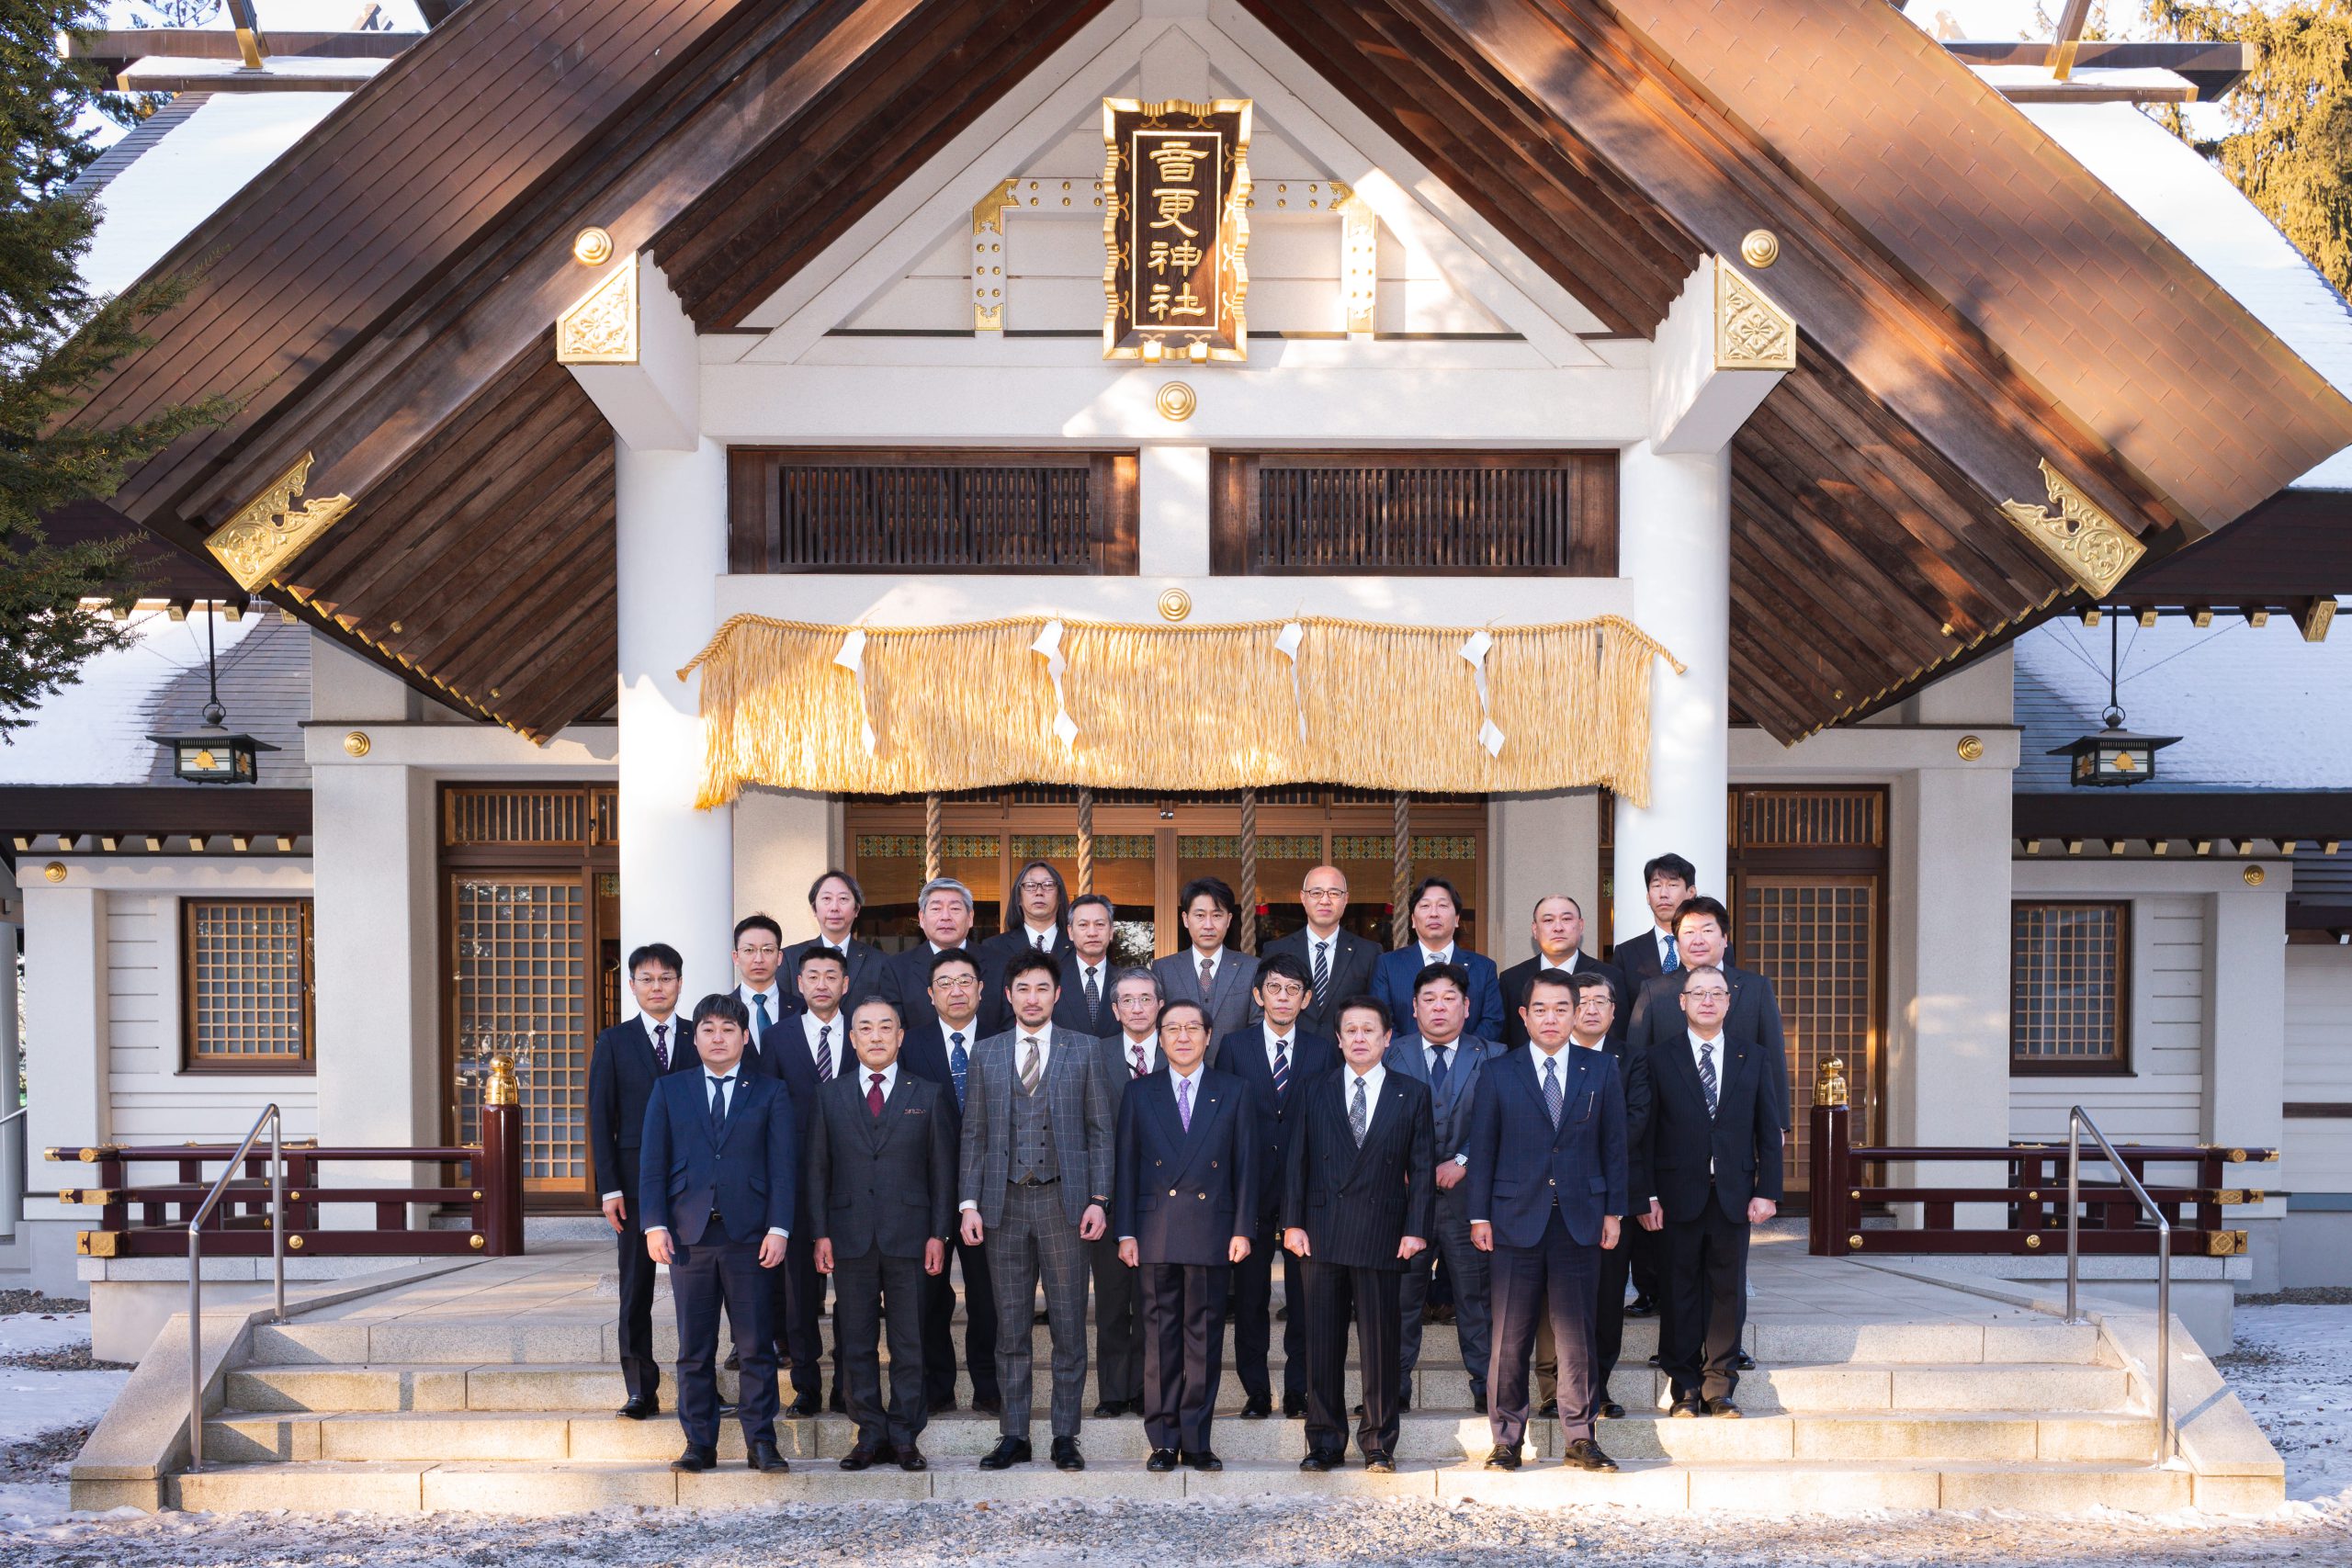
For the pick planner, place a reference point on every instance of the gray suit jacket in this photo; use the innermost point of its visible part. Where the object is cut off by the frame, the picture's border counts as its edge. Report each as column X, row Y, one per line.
column 1450, row 1109
column 1231, row 1007
column 1084, row 1129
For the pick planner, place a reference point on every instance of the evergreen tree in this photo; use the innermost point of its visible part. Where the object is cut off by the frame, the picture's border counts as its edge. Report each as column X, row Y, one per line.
column 55, row 342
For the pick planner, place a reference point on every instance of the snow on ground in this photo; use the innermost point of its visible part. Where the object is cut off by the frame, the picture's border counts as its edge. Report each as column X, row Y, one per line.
column 2292, row 1368
column 24, row 1332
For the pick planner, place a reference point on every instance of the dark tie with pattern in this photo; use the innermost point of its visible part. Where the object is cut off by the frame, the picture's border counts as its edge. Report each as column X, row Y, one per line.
column 1438, row 1068
column 718, row 1105
column 1673, row 959
column 1184, row 1103
column 661, row 1045
column 957, row 1060
column 1707, row 1074
column 1552, row 1088
column 824, row 1052
column 1282, row 1070
column 1359, row 1115
column 1140, row 1065
column 1093, row 994
column 759, row 1017
column 1208, row 977
column 873, row 1096
column 1322, row 966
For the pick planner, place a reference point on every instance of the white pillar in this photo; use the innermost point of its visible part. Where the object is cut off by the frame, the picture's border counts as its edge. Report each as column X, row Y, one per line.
column 1172, row 500
column 376, row 955
column 2246, row 1047
column 1674, row 542
column 677, row 864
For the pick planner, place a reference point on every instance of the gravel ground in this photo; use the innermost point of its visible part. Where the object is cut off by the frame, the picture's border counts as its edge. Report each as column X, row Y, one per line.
column 15, row 1301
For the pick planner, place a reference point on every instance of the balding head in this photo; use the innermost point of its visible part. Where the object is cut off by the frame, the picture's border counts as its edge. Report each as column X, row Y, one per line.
column 1324, row 895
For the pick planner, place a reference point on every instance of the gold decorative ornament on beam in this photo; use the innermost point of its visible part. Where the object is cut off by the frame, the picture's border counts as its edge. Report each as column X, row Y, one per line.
column 1359, row 257
column 1751, row 332
column 355, row 743
column 592, row 247
column 1176, row 401
column 53, row 872
column 1971, row 747
column 2079, row 535
column 269, row 531
column 988, row 242
column 1175, row 604
column 601, row 327
column 1760, row 249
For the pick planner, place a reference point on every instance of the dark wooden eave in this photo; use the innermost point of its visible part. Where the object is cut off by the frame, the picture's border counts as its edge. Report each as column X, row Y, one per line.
column 130, row 809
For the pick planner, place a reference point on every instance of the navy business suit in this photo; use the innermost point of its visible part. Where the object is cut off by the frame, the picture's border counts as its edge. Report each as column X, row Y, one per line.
column 720, row 1191
column 1393, row 983
column 1547, row 1190
column 622, row 1072
column 1518, row 976
column 800, row 1288
column 1183, row 1194
column 1071, row 1012
column 1243, row 1053
column 1450, row 1104
column 1349, row 964
column 926, row 1055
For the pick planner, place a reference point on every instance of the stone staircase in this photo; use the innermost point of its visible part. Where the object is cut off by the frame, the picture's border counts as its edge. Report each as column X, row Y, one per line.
column 2017, row 1411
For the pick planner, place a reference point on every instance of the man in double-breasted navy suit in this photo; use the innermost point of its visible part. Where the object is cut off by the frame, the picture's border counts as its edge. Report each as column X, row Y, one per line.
column 719, row 1174
column 1548, row 1189
column 1358, row 1205
column 1185, row 1207
column 629, row 1059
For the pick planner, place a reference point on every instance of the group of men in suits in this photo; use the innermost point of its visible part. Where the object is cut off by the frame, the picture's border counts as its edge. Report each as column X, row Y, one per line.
column 1025, row 1113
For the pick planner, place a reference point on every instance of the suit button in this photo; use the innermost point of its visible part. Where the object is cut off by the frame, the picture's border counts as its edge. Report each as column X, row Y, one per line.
column 1550, row 1182
column 1172, row 1192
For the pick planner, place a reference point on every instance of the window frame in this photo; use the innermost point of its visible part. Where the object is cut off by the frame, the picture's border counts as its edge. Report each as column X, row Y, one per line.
column 208, row 1063
column 2118, row 1063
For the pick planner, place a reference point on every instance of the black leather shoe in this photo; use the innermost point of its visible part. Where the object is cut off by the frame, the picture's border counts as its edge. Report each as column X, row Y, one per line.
column 805, row 1408
column 767, row 1460
column 1257, row 1407
column 911, row 1457
column 1743, row 1362
column 1404, row 1403
column 1654, row 1356
column 1504, row 1456
column 867, row 1455
column 1316, row 1465
column 944, row 1406
column 1723, row 1408
column 1066, row 1454
column 734, row 1362
column 638, row 1409
column 1585, row 1454
column 1611, row 1410
column 1294, row 1407
column 1478, row 1402
column 1205, row 1459
column 1641, row 1306
column 1686, row 1408
column 1008, row 1452
column 1355, row 1410
column 726, row 1411
column 1439, row 1314
column 1161, row 1462
column 1134, row 1407
column 1379, row 1464
column 696, row 1459
column 1110, row 1409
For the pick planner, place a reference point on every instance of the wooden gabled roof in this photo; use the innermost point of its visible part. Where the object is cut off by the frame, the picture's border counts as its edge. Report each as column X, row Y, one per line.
column 1972, row 302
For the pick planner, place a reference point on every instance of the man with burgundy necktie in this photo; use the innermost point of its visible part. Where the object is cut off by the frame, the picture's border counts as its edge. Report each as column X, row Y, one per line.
column 630, row 1058
column 1128, row 1052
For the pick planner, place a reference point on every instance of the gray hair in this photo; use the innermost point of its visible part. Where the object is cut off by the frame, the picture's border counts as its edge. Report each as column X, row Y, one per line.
column 945, row 884
column 1124, row 976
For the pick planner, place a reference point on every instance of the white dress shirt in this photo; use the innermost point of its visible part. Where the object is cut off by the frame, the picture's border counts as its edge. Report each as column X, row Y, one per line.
column 1043, row 940
column 669, row 1022
column 1284, row 1039
column 774, row 994
column 1372, row 1082
column 1215, row 961
column 811, row 1025
column 890, row 1080
column 1430, row 955
column 1698, row 1040
column 1128, row 1044
column 710, row 1092
column 1021, row 1039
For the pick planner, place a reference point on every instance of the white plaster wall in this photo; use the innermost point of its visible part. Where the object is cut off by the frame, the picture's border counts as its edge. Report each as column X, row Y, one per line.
column 784, row 841
column 2318, row 1070
column 1538, row 845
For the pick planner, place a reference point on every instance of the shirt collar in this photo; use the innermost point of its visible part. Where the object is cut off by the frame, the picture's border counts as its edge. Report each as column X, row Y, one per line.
column 735, row 1072
column 1174, row 1072
column 889, row 1077
column 1599, row 1044
column 1436, row 954
column 652, row 1023
column 1274, row 1034
column 968, row 1030
column 1717, row 1043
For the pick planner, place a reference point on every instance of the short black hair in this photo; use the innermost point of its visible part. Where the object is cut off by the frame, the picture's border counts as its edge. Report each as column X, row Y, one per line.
column 1029, row 960
column 1367, row 1002
column 1559, row 979
column 1583, row 980
column 831, row 873
column 1425, row 883
column 817, row 951
column 1166, row 1007
column 1215, row 888
column 876, row 998
column 1669, row 865
column 1699, row 904
column 1285, row 965
column 759, row 923
column 726, row 1005
column 1431, row 973
column 656, row 952
column 947, row 955
column 1083, row 899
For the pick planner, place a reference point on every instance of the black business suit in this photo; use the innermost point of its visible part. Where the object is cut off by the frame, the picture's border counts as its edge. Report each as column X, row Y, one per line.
column 926, row 1055
column 906, row 980
column 1518, row 976
column 863, row 964
column 756, row 1057
column 1703, row 1166
column 1118, row 1302
column 800, row 1290
column 1640, row 959
column 878, row 1188
column 1755, row 1016
column 622, row 1071
column 1243, row 1053
column 1356, row 1203
column 1071, row 1012
column 1351, row 963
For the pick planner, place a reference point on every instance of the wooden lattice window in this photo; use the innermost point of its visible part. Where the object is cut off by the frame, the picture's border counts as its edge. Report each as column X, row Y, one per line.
column 245, row 964
column 520, row 975
column 1534, row 514
column 860, row 509
column 2069, row 986
column 1814, row 936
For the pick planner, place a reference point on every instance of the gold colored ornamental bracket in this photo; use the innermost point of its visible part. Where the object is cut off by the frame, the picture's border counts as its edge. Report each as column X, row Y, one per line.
column 2075, row 531
column 601, row 327
column 1752, row 332
column 1359, row 257
column 990, row 244
column 270, row 530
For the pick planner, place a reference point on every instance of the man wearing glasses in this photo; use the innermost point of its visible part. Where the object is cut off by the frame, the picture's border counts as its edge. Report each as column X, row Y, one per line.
column 1339, row 963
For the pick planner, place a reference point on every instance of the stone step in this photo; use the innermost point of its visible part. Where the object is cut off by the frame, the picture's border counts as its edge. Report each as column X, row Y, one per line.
column 553, row 1488
column 1900, row 1388
column 467, row 1436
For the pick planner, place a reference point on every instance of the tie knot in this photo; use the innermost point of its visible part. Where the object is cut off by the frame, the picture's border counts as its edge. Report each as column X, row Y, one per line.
column 956, row 1037
column 877, row 1078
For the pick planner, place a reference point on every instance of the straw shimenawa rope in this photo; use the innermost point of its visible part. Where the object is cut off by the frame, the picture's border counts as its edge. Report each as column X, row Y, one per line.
column 1184, row 707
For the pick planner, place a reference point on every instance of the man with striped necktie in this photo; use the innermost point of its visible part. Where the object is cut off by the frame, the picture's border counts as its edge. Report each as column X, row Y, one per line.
column 1129, row 1050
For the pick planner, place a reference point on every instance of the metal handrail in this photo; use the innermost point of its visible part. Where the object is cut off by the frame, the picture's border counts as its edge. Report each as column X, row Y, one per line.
column 269, row 1118
column 12, row 1178
column 2077, row 1120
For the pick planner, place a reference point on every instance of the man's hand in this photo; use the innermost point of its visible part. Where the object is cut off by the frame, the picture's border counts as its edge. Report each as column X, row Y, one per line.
column 657, row 1246
column 1656, row 1219
column 1611, row 1229
column 613, row 1211
column 1129, row 1253
column 771, row 1251
column 1762, row 1208
column 1482, row 1235
column 823, row 1255
column 935, row 1256
column 973, row 1232
column 1449, row 1176
column 1294, row 1242
column 1092, row 1224
column 1409, row 1246
column 1239, row 1250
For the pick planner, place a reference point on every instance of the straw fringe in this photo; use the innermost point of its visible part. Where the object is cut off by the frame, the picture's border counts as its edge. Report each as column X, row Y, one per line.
column 1187, row 707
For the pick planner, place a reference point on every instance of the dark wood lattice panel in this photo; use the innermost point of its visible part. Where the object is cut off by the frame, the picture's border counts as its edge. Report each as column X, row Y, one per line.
column 2067, row 986
column 535, row 817
column 1542, row 514
column 1810, row 818
column 248, row 973
column 1815, row 938
column 520, row 982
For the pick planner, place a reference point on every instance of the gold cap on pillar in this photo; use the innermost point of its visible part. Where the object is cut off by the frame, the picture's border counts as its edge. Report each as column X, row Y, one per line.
column 502, row 1089
column 1829, row 1087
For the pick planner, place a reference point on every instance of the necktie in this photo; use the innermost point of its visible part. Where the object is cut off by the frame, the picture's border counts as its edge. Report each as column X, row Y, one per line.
column 759, row 1017
column 957, row 1062
column 1707, row 1074
column 1093, row 994
column 824, row 1052
column 718, row 1105
column 1673, row 959
column 1282, row 1070
column 1322, row 967
column 1208, row 977
column 1438, row 1069
column 873, row 1096
column 661, row 1045
column 1552, row 1088
column 1359, row 1115
column 1041, row 939
column 1032, row 1069
column 1140, row 1065
column 1185, row 1102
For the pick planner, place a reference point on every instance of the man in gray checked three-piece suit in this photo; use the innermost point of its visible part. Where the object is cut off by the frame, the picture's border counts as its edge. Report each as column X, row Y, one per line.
column 1035, row 1185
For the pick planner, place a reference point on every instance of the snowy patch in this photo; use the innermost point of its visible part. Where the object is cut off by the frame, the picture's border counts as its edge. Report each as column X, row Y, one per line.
column 2292, row 1369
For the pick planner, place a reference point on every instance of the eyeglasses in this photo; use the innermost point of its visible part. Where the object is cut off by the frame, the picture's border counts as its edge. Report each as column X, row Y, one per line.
column 1709, row 994
column 1037, row 884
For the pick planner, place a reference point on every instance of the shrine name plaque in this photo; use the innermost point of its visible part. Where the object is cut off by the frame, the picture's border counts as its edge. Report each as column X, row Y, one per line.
column 1175, row 228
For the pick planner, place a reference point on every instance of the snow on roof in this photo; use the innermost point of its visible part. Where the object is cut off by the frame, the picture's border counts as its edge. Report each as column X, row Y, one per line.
column 94, row 731
column 2256, row 707
column 185, row 177
column 2194, row 205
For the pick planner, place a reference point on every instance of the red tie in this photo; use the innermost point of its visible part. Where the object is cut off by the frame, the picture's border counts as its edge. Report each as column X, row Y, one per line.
column 873, row 1096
